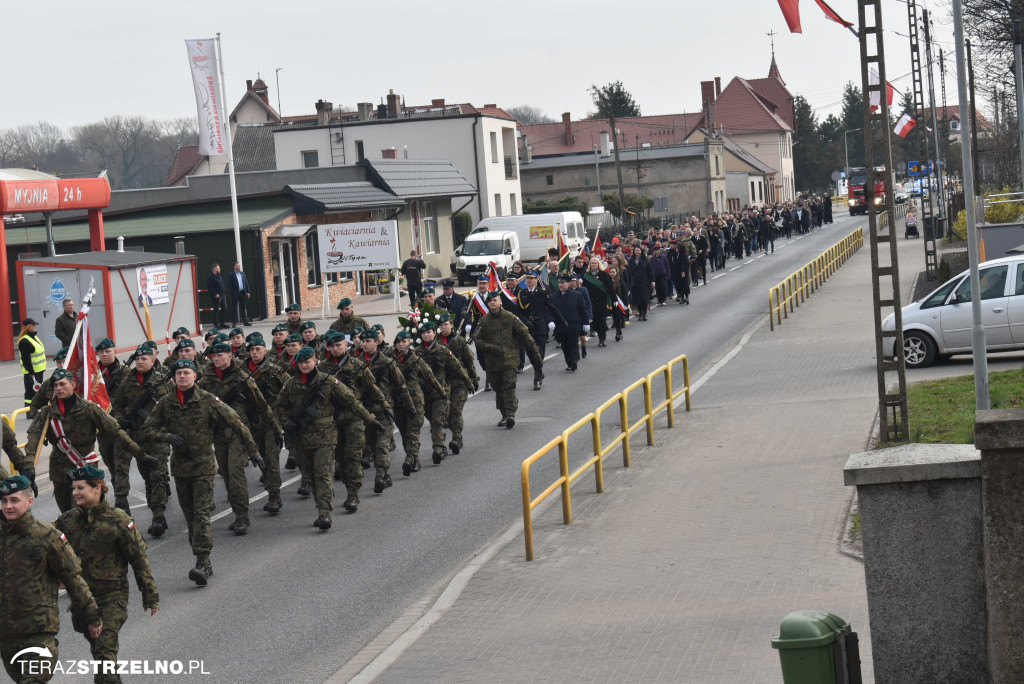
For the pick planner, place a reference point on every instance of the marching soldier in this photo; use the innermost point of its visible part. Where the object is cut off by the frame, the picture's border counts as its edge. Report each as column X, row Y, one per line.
column 292, row 345
column 294, row 322
column 106, row 542
column 269, row 378
column 135, row 398
column 236, row 338
column 307, row 406
column 417, row 375
column 233, row 386
column 45, row 393
column 310, row 338
column 71, row 423
column 347, row 320
column 188, row 419
column 475, row 310
column 498, row 336
column 459, row 393
column 200, row 359
column 37, row 560
column 177, row 336
column 449, row 372
column 279, row 335
column 392, row 385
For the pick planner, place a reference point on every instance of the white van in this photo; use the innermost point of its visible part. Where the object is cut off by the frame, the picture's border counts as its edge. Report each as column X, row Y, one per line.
column 480, row 248
column 537, row 231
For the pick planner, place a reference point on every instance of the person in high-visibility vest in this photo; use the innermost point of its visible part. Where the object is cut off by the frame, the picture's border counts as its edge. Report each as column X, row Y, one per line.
column 33, row 358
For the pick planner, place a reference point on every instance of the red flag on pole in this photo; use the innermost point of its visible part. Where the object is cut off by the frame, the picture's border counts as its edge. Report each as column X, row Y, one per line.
column 831, row 14
column 493, row 281
column 791, row 11
column 599, row 248
column 83, row 363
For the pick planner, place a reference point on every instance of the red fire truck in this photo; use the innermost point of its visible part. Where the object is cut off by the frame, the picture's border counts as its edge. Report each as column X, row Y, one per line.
column 855, row 191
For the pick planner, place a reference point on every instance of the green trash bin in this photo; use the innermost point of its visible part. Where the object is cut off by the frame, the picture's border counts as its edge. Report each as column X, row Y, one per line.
column 807, row 647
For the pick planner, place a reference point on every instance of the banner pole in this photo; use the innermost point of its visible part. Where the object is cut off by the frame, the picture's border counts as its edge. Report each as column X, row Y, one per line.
column 227, row 151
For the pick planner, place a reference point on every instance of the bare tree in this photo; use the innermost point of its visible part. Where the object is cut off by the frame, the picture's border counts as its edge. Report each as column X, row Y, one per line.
column 124, row 146
column 528, row 114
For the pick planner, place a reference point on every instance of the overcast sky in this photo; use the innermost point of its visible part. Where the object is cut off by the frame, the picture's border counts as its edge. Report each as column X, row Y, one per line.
column 79, row 61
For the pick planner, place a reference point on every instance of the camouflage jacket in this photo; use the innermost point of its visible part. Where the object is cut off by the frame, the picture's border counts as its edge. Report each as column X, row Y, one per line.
column 34, row 560
column 462, row 352
column 295, row 328
column 81, row 421
column 170, row 359
column 270, row 378
column 197, row 416
column 112, row 376
column 347, row 325
column 417, row 375
column 17, row 456
column 498, row 336
column 106, row 541
column 389, row 380
column 275, row 353
column 446, row 368
column 247, row 400
column 320, row 416
column 355, row 376
column 42, row 398
column 131, row 391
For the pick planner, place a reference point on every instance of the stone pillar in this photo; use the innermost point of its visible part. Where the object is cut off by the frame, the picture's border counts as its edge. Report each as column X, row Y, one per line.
column 920, row 508
column 1000, row 437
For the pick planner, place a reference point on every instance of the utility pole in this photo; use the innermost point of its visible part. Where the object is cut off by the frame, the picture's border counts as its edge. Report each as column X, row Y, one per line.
column 931, row 265
column 618, row 169
column 974, row 121
column 935, row 131
column 1018, row 79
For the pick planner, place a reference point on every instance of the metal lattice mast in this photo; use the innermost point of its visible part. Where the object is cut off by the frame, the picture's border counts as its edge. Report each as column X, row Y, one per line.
column 931, row 259
column 885, row 277
column 927, row 215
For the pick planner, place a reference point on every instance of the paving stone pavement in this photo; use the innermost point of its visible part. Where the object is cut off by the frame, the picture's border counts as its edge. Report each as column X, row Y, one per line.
column 683, row 568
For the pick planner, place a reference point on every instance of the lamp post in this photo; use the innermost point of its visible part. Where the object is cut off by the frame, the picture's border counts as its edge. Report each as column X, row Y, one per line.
column 277, row 77
column 846, row 147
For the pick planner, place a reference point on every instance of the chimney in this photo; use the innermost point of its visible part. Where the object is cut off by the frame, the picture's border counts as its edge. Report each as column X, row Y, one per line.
column 718, row 87
column 261, row 90
column 707, row 91
column 524, row 148
column 394, row 104
column 248, row 84
column 490, row 105
column 365, row 110
column 382, row 111
column 323, row 112
column 437, row 103
column 605, row 143
column 389, row 153
column 567, row 125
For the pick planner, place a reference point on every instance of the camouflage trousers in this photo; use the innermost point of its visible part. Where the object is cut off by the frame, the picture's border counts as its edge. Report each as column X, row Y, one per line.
column 107, row 447
column 231, row 462
column 409, row 429
column 114, row 610
column 380, row 444
column 271, row 453
column 157, row 483
column 318, row 461
column 29, row 668
column 195, row 496
column 460, row 395
column 504, row 385
column 437, row 415
column 348, row 453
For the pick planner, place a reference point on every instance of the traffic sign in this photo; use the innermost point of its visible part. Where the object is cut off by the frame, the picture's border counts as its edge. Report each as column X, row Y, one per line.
column 913, row 168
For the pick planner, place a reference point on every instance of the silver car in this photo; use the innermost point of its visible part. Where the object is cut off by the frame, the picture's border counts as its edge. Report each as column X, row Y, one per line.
column 939, row 325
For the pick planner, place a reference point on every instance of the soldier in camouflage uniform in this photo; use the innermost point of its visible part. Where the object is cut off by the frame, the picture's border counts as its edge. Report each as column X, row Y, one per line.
column 351, row 434
column 498, row 337
column 113, row 371
column 236, row 338
column 294, row 322
column 106, row 542
column 188, row 419
column 37, row 559
column 476, row 309
column 449, row 372
column 232, row 384
column 177, row 336
column 279, row 334
column 45, row 393
column 459, row 393
column 311, row 339
column 79, row 420
column 201, row 355
column 269, row 378
column 135, row 398
column 307, row 406
column 347, row 320
column 20, row 462
column 417, row 375
column 392, row 384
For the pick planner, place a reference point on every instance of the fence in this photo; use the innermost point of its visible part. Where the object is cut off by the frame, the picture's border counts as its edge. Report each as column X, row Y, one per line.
column 794, row 289
column 600, row 450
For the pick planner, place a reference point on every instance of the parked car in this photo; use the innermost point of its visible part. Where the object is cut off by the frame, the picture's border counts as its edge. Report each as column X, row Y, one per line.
column 939, row 325
column 480, row 249
column 901, row 196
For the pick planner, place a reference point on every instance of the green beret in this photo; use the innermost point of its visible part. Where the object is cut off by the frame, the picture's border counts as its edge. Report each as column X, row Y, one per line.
column 293, row 338
column 212, row 332
column 105, row 343
column 292, row 307
column 185, row 343
column 308, row 325
column 87, row 473
column 402, row 335
column 445, row 318
column 15, row 483
column 331, row 334
column 255, row 340
column 280, row 327
column 368, row 335
column 428, row 290
column 427, row 326
column 356, row 331
column 60, row 374
column 62, row 353
column 149, row 343
column 343, row 303
column 492, row 295
column 182, row 331
column 219, row 348
column 305, row 354
column 182, row 364
column 145, row 350
column 218, row 338
column 236, row 331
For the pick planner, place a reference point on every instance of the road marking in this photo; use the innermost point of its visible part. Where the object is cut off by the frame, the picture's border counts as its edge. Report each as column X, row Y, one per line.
column 735, row 267
column 262, row 494
column 760, row 255
column 717, row 276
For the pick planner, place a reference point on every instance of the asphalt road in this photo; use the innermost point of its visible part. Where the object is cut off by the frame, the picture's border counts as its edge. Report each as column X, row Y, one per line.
column 289, row 603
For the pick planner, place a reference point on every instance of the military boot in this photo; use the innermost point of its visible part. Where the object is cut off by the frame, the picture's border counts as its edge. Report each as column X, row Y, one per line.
column 455, row 445
column 159, row 526
column 323, row 522
column 416, row 467
column 487, row 385
column 439, row 454
column 241, row 524
column 202, row 572
column 123, row 505
column 378, row 484
column 352, row 502
column 502, row 422
column 510, row 422
column 407, row 467
column 273, row 505
column 290, row 464
column 387, row 481
column 305, row 489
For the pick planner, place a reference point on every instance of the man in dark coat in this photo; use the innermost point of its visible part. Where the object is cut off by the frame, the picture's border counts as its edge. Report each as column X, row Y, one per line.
column 215, row 288
column 573, row 321
column 412, row 269
column 452, row 302
column 238, row 285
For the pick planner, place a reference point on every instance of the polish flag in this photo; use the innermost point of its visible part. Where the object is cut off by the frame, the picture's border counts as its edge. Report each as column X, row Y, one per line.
column 905, row 125
column 83, row 363
column 890, row 92
column 598, row 249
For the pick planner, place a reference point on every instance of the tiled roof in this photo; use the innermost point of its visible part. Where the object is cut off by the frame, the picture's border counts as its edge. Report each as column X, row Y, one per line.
column 775, row 90
column 741, row 109
column 657, row 131
column 643, row 154
column 953, row 112
column 186, row 160
column 254, row 148
column 419, row 178
column 271, row 112
column 321, row 198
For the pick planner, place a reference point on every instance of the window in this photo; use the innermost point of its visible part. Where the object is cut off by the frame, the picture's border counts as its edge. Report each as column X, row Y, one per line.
column 512, row 204
column 550, row 180
column 310, row 159
column 752, row 191
column 993, row 284
column 494, row 147
column 717, row 172
column 312, row 259
column 429, row 219
column 1020, row 279
column 360, row 154
column 760, row 191
column 497, row 204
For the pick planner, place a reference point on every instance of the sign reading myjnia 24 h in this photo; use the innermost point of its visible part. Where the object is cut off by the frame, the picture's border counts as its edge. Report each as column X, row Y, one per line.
column 370, row 246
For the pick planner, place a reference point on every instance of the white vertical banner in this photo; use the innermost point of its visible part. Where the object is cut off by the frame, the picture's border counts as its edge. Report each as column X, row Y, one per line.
column 202, row 59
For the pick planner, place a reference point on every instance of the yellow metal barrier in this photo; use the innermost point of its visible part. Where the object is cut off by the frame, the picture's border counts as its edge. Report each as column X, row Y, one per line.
column 10, row 420
column 561, row 442
column 796, row 287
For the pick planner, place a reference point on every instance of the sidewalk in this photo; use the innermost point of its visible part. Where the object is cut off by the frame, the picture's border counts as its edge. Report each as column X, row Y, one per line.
column 683, row 568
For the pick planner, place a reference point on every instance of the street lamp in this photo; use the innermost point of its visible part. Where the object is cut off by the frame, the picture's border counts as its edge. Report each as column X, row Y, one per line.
column 277, row 77
column 846, row 147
